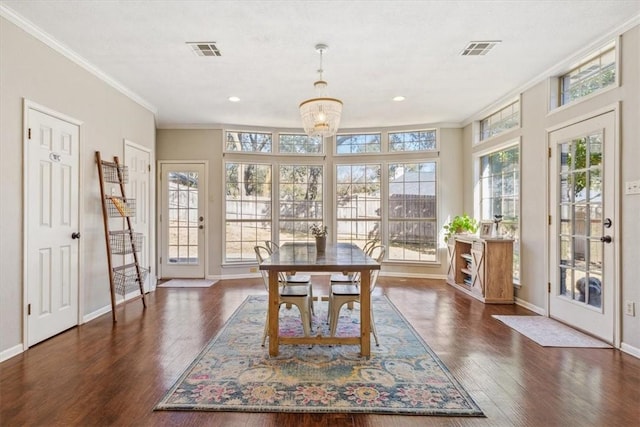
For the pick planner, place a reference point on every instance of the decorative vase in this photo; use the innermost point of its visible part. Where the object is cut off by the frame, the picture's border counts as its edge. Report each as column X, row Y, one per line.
column 321, row 244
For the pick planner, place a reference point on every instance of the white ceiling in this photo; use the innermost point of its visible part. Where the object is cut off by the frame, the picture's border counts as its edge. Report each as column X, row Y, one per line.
column 377, row 50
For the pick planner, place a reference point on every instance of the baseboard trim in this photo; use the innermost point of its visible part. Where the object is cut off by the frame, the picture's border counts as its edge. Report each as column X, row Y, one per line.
column 412, row 275
column 11, row 352
column 629, row 349
column 529, row 306
column 95, row 314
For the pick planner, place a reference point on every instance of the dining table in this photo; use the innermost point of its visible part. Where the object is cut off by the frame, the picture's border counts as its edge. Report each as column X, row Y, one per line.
column 304, row 257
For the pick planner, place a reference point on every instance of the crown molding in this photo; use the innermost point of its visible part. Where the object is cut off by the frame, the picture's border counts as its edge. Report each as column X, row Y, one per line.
column 33, row 30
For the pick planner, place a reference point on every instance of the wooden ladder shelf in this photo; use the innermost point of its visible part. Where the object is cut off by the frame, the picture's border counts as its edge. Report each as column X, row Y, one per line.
column 128, row 276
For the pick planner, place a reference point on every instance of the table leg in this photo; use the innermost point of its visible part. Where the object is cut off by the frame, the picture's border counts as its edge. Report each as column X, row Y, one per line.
column 274, row 308
column 365, row 313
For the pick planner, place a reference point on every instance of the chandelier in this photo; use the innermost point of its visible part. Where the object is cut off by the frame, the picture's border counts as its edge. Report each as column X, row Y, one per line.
column 321, row 115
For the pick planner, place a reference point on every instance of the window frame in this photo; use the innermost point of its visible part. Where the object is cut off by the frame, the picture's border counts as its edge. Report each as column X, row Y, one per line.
column 225, row 220
column 477, row 159
column 367, row 153
column 379, row 220
column 555, row 85
column 256, row 153
column 385, row 208
column 436, row 148
column 481, row 139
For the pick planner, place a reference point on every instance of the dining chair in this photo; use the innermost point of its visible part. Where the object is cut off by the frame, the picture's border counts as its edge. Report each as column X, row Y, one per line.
column 293, row 278
column 300, row 296
column 341, row 278
column 341, row 294
column 271, row 245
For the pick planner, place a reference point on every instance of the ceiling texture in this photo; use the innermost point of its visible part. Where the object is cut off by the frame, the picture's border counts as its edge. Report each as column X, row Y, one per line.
column 377, row 50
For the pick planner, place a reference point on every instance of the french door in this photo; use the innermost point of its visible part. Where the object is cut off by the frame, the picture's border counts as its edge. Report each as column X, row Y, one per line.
column 182, row 220
column 583, row 230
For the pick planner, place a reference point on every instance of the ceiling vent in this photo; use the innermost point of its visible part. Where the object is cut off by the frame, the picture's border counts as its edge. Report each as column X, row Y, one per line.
column 479, row 48
column 205, row 48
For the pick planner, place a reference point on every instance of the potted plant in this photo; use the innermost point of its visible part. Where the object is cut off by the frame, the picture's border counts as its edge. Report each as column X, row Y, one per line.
column 320, row 233
column 460, row 224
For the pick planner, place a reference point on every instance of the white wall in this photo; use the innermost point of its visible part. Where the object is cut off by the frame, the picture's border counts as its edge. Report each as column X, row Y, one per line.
column 32, row 70
column 536, row 119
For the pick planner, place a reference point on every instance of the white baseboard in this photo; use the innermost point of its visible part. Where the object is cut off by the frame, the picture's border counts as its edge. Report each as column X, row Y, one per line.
column 529, row 306
column 412, row 275
column 11, row 352
column 95, row 314
column 634, row 351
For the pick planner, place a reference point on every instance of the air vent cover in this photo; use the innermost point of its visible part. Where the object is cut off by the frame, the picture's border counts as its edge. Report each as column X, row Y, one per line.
column 205, row 48
column 479, row 48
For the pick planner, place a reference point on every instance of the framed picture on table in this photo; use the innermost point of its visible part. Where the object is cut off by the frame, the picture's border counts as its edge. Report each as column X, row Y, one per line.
column 485, row 229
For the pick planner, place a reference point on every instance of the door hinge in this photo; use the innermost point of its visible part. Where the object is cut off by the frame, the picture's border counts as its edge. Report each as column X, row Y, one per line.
column 29, row 133
column 28, row 309
column 149, row 166
column 549, row 152
column 160, row 260
column 549, row 219
column 548, row 287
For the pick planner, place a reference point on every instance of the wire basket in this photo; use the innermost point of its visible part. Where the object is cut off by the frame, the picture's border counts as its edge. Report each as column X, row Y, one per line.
column 123, row 242
column 120, row 207
column 125, row 278
column 110, row 172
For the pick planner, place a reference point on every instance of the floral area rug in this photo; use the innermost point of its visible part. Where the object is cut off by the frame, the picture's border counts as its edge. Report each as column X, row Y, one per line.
column 235, row 373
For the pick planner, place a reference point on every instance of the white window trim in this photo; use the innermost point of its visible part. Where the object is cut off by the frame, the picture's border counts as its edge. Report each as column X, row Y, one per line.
column 477, row 128
column 553, row 83
column 479, row 153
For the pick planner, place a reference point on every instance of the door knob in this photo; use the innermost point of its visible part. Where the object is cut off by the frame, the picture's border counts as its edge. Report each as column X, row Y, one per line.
column 606, row 239
column 75, row 235
column 201, row 227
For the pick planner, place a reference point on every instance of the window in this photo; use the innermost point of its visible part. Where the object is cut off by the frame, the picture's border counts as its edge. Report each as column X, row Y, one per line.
column 300, row 201
column 500, row 194
column 412, row 141
column 589, row 77
column 358, row 143
column 247, row 209
column 300, row 144
column 412, row 212
column 500, row 121
column 358, row 203
column 252, row 142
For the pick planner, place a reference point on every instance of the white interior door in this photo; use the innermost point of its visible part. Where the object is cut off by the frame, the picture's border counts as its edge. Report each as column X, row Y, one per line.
column 582, row 255
column 183, row 192
column 138, row 162
column 51, row 233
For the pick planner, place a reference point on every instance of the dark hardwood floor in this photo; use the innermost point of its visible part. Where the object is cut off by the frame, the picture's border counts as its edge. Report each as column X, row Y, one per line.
column 105, row 374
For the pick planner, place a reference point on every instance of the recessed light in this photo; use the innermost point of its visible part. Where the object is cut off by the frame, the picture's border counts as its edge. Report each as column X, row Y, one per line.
column 398, row 98
column 234, row 99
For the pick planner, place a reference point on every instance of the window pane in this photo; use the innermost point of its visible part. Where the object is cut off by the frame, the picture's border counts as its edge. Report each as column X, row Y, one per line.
column 500, row 121
column 591, row 76
column 500, row 193
column 247, row 209
column 300, row 201
column 412, row 141
column 412, row 208
column 254, row 142
column 358, row 143
column 358, row 203
column 300, row 144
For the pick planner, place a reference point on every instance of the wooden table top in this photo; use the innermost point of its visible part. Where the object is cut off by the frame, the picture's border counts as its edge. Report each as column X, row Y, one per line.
column 304, row 257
